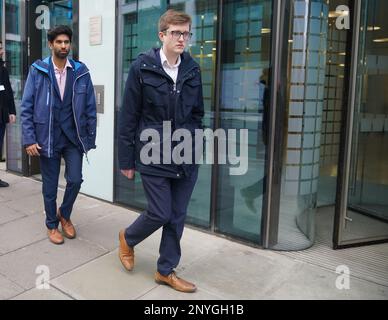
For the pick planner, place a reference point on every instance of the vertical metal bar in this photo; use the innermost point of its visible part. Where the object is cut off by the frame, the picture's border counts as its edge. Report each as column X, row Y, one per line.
column 347, row 139
column 217, row 121
column 24, row 16
column 279, row 54
column 75, row 15
column 118, row 85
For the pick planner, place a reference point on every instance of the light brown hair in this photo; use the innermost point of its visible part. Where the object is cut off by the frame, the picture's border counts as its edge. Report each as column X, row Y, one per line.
column 173, row 17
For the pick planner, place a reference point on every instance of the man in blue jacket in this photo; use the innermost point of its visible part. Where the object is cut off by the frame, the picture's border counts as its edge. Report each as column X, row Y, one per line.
column 58, row 114
column 164, row 85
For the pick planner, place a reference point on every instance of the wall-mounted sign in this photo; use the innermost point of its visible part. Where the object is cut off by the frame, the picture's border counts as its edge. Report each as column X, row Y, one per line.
column 95, row 31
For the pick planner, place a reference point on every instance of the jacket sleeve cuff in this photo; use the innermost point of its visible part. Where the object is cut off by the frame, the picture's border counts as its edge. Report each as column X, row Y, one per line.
column 28, row 142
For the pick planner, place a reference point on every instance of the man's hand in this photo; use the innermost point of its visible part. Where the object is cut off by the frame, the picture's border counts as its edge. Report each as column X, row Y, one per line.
column 33, row 150
column 12, row 118
column 130, row 174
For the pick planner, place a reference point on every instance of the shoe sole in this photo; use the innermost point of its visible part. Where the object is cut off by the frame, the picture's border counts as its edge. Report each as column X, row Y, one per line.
column 162, row 283
column 57, row 243
column 68, row 237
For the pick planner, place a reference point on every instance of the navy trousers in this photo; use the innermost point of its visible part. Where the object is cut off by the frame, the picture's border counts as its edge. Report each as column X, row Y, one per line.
column 2, row 133
column 50, row 168
column 168, row 200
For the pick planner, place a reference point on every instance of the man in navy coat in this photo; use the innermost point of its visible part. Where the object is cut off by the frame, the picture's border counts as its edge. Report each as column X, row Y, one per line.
column 58, row 114
column 164, row 85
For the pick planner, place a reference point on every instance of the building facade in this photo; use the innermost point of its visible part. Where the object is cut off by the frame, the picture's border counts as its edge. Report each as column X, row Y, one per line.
column 307, row 78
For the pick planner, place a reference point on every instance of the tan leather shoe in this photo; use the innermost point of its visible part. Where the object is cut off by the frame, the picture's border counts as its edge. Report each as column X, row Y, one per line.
column 67, row 227
column 174, row 282
column 55, row 236
column 126, row 253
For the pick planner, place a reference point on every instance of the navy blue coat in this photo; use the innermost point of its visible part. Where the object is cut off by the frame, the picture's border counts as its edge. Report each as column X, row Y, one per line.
column 150, row 99
column 37, row 107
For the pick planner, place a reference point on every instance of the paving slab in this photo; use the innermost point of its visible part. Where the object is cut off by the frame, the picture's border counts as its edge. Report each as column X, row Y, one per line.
column 8, row 289
column 238, row 273
column 106, row 279
column 311, row 283
column 20, row 266
column 9, row 214
column 37, row 295
column 22, row 232
column 21, row 189
column 28, row 205
column 105, row 231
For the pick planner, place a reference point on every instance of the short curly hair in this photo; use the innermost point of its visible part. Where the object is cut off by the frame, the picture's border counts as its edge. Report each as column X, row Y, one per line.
column 53, row 33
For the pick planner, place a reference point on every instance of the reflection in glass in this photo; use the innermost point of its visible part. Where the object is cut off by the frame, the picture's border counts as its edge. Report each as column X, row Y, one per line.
column 139, row 21
column 13, row 59
column 332, row 109
column 244, row 105
column 203, row 49
column 300, row 173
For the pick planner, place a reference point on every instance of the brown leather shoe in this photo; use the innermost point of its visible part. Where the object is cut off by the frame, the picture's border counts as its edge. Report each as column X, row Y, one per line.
column 55, row 236
column 126, row 253
column 174, row 282
column 67, row 227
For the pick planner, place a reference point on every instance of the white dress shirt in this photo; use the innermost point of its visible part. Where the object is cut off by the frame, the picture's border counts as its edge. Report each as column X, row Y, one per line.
column 61, row 76
column 172, row 71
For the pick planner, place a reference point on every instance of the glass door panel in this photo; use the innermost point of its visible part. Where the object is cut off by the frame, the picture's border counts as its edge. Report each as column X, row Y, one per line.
column 245, row 62
column 364, row 214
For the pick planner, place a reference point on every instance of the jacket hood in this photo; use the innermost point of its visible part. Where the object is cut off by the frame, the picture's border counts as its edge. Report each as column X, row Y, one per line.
column 44, row 65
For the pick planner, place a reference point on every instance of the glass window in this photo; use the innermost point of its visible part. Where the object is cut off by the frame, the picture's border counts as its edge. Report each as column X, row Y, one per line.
column 139, row 24
column 203, row 49
column 245, row 61
column 303, row 123
column 367, row 208
column 332, row 108
column 14, row 63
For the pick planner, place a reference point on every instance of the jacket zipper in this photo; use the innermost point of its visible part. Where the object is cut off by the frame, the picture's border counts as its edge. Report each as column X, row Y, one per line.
column 75, row 118
column 49, row 95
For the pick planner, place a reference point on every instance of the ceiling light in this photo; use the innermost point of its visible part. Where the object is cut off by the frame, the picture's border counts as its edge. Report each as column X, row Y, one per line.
column 380, row 40
column 336, row 14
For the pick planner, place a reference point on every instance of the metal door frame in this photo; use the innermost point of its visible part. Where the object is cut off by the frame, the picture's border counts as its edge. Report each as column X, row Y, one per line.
column 341, row 208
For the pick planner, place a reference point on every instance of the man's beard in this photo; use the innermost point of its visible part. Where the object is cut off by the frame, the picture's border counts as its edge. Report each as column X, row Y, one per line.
column 61, row 55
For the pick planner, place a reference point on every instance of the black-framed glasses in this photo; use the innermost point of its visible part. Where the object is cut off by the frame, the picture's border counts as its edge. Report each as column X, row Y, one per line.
column 177, row 34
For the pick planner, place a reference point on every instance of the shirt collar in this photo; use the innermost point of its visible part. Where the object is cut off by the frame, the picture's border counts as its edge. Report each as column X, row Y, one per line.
column 164, row 60
column 68, row 65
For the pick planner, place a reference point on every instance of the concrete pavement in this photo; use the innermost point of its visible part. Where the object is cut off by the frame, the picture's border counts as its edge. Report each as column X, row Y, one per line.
column 89, row 268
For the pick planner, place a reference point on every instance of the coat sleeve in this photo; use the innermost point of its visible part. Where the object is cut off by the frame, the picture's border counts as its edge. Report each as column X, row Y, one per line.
column 27, row 111
column 91, row 112
column 129, row 118
column 9, row 93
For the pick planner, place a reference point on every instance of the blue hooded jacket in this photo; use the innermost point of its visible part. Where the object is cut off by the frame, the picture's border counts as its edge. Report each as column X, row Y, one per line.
column 37, row 107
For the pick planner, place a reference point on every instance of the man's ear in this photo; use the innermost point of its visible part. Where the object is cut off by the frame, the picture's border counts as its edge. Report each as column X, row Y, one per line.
column 161, row 34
